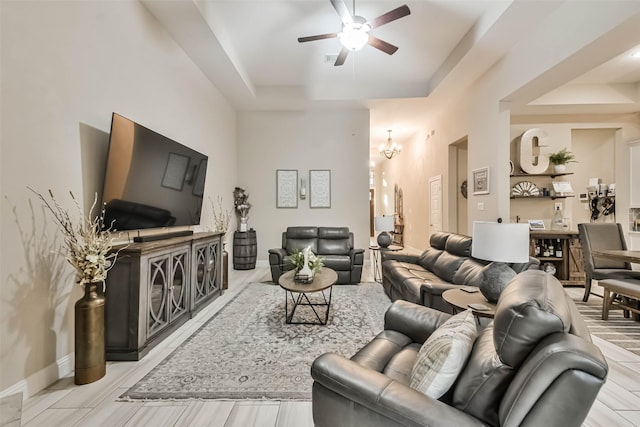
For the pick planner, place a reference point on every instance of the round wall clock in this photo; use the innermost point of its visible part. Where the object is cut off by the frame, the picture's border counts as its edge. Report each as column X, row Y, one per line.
column 525, row 189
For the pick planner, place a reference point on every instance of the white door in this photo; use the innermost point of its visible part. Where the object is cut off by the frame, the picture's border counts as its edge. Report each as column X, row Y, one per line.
column 435, row 206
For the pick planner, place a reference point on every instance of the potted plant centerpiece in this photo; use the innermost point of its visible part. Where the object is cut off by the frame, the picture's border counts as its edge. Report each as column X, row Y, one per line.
column 560, row 160
column 306, row 264
column 88, row 248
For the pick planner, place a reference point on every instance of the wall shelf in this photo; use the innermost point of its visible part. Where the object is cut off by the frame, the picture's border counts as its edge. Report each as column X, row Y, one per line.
column 533, row 175
column 540, row 197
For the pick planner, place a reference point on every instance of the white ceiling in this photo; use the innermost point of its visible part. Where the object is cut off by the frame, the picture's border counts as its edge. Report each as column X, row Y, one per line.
column 249, row 50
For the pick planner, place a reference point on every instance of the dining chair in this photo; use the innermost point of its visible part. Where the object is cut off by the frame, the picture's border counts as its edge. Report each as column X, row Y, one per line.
column 599, row 236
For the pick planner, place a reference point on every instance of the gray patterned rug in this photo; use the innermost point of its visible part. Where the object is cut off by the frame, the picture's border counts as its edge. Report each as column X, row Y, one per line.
column 246, row 351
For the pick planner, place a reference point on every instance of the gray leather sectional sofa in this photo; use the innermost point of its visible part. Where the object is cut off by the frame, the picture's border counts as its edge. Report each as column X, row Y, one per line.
column 333, row 244
column 534, row 365
column 447, row 264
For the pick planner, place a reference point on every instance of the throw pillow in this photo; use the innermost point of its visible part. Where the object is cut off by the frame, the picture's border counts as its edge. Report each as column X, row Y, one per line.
column 494, row 279
column 444, row 354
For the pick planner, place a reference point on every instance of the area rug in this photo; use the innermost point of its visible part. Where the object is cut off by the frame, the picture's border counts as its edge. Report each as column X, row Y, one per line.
column 247, row 351
column 617, row 329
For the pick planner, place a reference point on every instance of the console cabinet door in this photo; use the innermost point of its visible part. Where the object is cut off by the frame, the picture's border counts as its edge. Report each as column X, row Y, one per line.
column 167, row 289
column 157, row 294
column 207, row 277
column 178, row 288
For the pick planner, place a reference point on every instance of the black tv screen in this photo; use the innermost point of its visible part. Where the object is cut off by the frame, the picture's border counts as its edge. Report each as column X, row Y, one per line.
column 151, row 181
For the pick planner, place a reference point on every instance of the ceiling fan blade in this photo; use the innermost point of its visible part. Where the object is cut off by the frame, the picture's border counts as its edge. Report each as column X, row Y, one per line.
column 342, row 10
column 342, row 56
column 382, row 45
column 390, row 16
column 318, row 37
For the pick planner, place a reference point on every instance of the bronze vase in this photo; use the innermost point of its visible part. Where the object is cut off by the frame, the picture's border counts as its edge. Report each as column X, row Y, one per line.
column 90, row 364
column 225, row 267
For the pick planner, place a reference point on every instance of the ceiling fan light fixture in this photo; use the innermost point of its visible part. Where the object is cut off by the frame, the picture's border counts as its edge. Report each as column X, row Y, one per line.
column 390, row 149
column 354, row 35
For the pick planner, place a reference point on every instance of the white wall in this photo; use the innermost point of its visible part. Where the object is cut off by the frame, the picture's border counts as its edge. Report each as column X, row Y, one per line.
column 482, row 112
column 337, row 140
column 66, row 66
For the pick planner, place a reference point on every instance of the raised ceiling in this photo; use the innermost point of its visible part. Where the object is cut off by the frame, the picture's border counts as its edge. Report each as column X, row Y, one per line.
column 249, row 50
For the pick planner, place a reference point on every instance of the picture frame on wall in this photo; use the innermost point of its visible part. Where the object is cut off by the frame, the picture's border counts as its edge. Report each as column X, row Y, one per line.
column 287, row 188
column 320, row 188
column 480, row 180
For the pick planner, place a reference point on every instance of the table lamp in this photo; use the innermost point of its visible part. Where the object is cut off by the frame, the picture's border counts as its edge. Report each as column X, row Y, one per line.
column 501, row 244
column 384, row 224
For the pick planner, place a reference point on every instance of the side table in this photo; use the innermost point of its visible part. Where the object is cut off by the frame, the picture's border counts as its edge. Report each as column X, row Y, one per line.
column 377, row 259
column 245, row 250
column 460, row 300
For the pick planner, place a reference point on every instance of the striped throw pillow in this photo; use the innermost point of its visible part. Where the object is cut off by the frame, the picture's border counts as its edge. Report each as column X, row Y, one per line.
column 444, row 354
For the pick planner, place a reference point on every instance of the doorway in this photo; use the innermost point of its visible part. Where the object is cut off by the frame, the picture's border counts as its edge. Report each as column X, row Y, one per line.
column 458, row 211
column 372, row 210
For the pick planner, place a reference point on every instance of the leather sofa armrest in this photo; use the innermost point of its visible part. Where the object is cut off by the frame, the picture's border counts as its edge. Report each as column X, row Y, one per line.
column 357, row 256
column 281, row 252
column 413, row 320
column 399, row 256
column 382, row 395
column 278, row 254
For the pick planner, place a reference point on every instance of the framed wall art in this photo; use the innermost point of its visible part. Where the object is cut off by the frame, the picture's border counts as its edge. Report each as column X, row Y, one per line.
column 286, row 188
column 320, row 188
column 480, row 180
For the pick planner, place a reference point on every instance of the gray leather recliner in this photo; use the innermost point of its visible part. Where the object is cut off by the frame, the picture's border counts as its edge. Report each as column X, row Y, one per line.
column 534, row 365
column 333, row 244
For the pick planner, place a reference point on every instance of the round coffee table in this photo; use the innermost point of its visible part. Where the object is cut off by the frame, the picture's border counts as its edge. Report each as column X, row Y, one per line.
column 460, row 300
column 322, row 280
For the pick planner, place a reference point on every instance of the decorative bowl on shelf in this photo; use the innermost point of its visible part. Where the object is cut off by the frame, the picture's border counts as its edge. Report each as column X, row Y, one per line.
column 525, row 189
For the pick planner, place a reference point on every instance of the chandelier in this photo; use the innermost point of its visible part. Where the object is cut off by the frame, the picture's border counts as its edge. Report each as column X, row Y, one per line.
column 390, row 149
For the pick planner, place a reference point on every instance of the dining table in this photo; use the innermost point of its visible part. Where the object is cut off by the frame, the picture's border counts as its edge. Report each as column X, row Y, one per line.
column 618, row 255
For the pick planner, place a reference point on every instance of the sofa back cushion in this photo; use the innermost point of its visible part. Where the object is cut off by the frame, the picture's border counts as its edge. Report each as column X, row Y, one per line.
column 438, row 240
column 458, row 244
column 428, row 258
column 334, row 240
column 447, row 265
column 483, row 381
column 469, row 272
column 298, row 238
column 532, row 306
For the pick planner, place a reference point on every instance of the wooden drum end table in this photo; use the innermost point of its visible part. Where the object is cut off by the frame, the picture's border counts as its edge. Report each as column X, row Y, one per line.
column 322, row 280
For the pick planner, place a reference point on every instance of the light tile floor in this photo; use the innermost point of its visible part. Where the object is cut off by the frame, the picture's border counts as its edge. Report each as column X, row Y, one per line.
column 65, row 404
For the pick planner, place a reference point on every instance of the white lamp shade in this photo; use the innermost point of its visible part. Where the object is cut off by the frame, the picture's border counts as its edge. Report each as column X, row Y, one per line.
column 493, row 241
column 384, row 223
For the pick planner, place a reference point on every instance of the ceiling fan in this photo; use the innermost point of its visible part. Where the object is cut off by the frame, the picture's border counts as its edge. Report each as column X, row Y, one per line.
column 355, row 30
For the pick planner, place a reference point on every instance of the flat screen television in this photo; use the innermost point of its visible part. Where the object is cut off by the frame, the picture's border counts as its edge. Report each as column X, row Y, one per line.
column 151, row 181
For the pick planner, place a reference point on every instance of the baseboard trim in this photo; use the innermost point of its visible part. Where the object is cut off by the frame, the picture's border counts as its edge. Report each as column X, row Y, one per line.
column 42, row 379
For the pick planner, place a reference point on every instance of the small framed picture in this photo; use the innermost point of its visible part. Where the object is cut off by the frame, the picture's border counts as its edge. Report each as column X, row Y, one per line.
column 287, row 188
column 320, row 188
column 480, row 181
